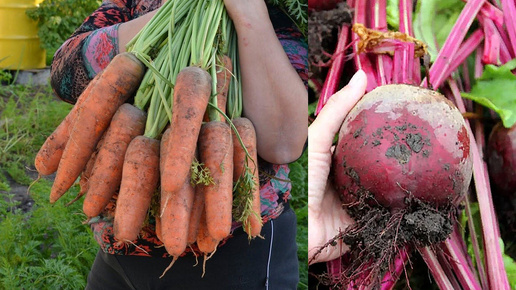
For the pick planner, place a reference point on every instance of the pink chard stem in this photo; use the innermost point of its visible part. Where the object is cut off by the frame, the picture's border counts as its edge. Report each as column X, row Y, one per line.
column 408, row 63
column 435, row 268
column 506, row 43
column 492, row 31
column 379, row 22
column 466, row 80
column 447, row 268
column 476, row 245
column 509, row 14
column 465, row 50
column 459, row 264
column 361, row 60
column 331, row 83
column 497, row 277
column 392, row 276
column 452, row 43
column 491, row 46
column 403, row 63
column 405, row 24
column 492, row 12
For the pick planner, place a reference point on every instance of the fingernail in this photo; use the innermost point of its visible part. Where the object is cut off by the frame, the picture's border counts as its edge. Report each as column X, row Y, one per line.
column 357, row 78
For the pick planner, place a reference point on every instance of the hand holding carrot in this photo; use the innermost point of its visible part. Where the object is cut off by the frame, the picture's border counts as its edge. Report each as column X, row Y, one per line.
column 326, row 217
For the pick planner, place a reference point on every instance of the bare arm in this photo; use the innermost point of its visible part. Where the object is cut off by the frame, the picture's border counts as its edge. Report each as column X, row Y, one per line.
column 275, row 98
column 129, row 29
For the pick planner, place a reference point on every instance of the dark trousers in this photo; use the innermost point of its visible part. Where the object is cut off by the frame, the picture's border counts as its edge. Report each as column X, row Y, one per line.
column 269, row 263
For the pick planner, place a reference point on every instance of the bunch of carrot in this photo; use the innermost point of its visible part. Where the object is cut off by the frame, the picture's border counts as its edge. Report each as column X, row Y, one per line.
column 176, row 141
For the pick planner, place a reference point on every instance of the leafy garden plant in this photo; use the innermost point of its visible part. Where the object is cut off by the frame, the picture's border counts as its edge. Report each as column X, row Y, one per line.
column 58, row 19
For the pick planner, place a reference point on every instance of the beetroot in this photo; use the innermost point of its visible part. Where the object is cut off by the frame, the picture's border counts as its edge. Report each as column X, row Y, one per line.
column 402, row 142
column 401, row 166
column 501, row 159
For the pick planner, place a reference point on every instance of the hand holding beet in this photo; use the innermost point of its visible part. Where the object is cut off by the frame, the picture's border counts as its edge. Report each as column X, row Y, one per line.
column 326, row 214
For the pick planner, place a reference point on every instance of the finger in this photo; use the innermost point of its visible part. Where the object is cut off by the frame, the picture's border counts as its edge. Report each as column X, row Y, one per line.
column 331, row 221
column 326, row 125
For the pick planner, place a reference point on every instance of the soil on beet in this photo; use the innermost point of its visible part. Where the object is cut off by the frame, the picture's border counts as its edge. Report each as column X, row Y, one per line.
column 323, row 29
column 379, row 235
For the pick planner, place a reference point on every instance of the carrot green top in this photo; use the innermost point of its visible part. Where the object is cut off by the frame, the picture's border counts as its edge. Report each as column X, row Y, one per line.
column 91, row 48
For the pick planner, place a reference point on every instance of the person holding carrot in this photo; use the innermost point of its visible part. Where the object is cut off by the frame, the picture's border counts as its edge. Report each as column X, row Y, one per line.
column 273, row 60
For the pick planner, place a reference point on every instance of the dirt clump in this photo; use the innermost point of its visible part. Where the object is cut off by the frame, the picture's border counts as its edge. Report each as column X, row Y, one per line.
column 380, row 234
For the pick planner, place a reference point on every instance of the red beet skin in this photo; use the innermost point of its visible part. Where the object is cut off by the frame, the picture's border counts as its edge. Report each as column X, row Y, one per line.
column 501, row 158
column 401, row 141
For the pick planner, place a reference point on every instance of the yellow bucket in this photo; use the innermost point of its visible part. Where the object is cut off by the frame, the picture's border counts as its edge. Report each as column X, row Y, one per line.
column 19, row 41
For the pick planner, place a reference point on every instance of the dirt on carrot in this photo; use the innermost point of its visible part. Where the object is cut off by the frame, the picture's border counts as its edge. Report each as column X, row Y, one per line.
column 246, row 205
column 140, row 176
column 195, row 216
column 116, row 84
column 49, row 155
column 127, row 123
column 191, row 95
column 176, row 208
column 216, row 152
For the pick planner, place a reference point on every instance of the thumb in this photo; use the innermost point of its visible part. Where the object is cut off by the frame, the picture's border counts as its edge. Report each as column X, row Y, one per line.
column 329, row 120
column 323, row 130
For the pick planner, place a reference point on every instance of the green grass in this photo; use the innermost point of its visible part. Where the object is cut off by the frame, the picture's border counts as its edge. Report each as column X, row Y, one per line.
column 299, row 176
column 49, row 247
column 45, row 248
column 27, row 116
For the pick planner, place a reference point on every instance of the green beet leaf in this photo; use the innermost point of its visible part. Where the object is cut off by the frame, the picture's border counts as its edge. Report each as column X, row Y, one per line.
column 496, row 90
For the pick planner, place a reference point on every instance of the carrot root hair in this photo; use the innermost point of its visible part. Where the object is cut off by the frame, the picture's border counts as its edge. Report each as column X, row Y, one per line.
column 169, row 266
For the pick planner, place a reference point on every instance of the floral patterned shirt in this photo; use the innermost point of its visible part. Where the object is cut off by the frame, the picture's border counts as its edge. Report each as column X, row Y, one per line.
column 89, row 50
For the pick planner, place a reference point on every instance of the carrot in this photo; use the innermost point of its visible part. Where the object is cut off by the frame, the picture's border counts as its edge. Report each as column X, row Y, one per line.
column 127, row 123
column 175, row 208
column 191, row 94
column 205, row 242
column 175, row 217
column 165, row 139
column 195, row 215
column 216, row 152
column 86, row 173
column 117, row 83
column 223, row 80
column 49, row 155
column 252, row 222
column 140, row 176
